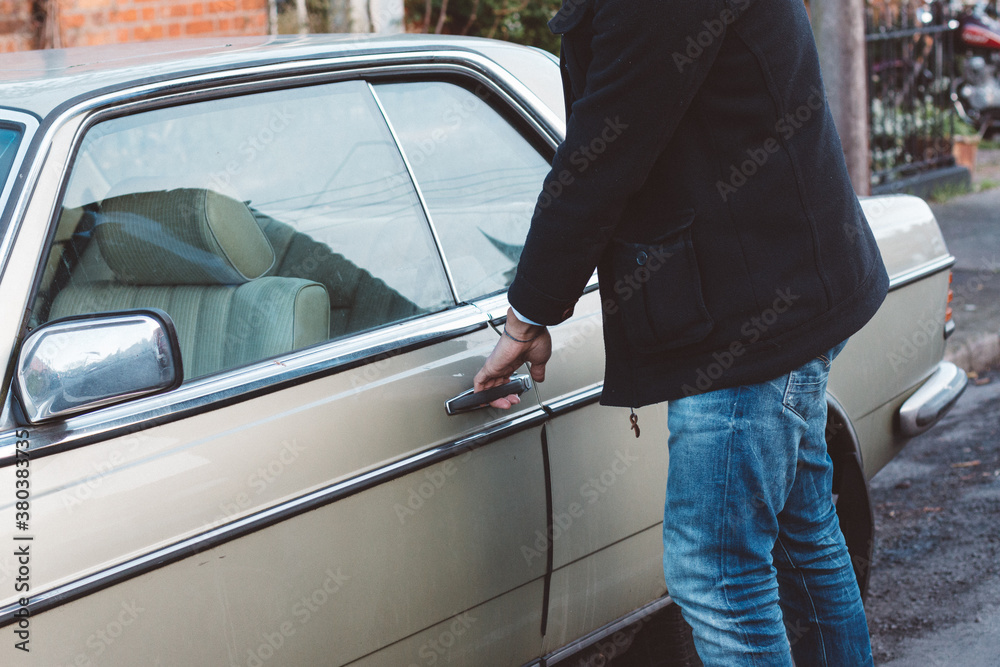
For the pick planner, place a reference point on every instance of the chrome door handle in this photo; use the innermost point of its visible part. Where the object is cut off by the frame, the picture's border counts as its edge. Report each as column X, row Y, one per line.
column 468, row 400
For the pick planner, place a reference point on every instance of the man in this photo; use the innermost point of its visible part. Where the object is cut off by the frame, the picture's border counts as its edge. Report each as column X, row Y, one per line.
column 703, row 176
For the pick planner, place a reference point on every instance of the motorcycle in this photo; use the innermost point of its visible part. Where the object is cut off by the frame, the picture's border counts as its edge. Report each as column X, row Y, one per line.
column 976, row 93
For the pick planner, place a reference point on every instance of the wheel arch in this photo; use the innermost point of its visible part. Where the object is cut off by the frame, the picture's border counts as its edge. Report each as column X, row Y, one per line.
column 850, row 489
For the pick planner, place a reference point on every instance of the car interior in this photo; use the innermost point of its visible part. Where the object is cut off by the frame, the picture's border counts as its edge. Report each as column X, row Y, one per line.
column 239, row 285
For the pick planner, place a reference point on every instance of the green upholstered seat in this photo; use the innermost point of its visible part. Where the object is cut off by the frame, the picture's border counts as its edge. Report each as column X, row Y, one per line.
column 358, row 300
column 201, row 257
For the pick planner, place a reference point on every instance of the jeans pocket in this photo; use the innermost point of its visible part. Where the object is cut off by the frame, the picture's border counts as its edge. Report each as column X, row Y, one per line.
column 661, row 299
column 805, row 391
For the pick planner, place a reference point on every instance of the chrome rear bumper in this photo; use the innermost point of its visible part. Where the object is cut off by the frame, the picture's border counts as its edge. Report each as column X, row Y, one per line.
column 933, row 400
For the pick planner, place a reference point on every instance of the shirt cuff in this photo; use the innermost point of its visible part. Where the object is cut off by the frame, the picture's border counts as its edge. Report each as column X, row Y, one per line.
column 523, row 318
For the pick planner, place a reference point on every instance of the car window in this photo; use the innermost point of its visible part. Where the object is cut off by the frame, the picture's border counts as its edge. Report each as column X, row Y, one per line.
column 478, row 174
column 260, row 223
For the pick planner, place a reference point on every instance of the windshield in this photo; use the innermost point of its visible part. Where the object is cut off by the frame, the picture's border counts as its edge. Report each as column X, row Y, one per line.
column 10, row 139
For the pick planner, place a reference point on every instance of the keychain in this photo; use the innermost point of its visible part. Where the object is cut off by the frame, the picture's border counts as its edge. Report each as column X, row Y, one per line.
column 634, row 419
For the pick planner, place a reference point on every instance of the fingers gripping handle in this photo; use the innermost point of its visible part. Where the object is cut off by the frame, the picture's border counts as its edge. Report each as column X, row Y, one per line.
column 468, row 400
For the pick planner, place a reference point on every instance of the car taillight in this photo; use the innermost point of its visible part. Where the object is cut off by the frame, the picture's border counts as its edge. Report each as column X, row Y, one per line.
column 949, row 324
column 951, row 297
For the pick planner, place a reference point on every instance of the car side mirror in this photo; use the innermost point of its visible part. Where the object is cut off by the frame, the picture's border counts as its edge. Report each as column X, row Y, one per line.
column 79, row 363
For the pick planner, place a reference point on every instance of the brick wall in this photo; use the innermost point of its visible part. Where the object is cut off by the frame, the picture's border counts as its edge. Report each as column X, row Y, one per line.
column 17, row 30
column 88, row 22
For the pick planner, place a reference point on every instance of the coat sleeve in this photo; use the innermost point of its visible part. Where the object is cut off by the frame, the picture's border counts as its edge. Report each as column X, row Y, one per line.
column 648, row 59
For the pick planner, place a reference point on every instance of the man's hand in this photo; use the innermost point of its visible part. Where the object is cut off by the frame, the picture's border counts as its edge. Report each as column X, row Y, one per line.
column 509, row 355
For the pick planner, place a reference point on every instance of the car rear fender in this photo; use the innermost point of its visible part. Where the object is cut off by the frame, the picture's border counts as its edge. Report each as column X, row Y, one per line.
column 850, row 489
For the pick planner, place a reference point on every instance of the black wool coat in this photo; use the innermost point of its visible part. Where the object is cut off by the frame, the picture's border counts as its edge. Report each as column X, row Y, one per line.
column 702, row 175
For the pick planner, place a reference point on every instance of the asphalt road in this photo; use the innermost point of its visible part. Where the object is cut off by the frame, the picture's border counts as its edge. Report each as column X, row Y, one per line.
column 971, row 227
column 934, row 595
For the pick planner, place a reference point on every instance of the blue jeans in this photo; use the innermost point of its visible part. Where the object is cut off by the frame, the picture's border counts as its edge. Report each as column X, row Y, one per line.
column 753, row 552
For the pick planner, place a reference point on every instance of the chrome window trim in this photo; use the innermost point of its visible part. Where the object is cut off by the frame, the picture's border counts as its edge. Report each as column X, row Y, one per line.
column 218, row 535
column 30, row 124
column 329, row 357
column 420, row 193
column 913, row 275
column 261, row 77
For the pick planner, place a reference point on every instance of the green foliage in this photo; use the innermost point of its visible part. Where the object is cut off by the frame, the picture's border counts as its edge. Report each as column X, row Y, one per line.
column 964, row 129
column 944, row 193
column 521, row 21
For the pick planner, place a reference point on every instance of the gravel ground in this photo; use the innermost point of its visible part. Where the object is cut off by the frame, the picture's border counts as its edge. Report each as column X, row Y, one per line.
column 934, row 595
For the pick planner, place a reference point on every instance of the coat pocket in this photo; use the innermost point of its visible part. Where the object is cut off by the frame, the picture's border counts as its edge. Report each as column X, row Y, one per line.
column 658, row 289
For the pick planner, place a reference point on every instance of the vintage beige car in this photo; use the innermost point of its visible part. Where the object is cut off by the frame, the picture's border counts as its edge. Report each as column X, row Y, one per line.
column 245, row 286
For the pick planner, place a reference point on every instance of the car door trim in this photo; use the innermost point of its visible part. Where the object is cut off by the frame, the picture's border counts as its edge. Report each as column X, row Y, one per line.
column 45, row 600
column 92, row 583
column 901, row 280
column 583, row 643
column 576, row 400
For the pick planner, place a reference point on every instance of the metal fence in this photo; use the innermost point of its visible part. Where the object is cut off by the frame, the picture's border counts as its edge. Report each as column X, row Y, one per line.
column 910, row 68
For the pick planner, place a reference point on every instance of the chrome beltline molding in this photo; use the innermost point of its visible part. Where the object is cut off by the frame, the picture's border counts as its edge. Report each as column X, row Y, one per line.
column 913, row 275
column 576, row 400
column 43, row 601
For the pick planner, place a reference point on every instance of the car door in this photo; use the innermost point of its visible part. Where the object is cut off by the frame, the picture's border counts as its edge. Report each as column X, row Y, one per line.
column 315, row 506
column 608, row 487
column 479, row 170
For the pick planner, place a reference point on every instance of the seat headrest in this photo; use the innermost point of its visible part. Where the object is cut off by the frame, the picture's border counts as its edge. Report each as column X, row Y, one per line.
column 188, row 236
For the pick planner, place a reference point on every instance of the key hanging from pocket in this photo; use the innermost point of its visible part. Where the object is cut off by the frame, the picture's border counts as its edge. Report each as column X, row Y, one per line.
column 634, row 420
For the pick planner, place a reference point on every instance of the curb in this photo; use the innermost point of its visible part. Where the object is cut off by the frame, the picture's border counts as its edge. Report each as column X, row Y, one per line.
column 977, row 354
column 926, row 184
